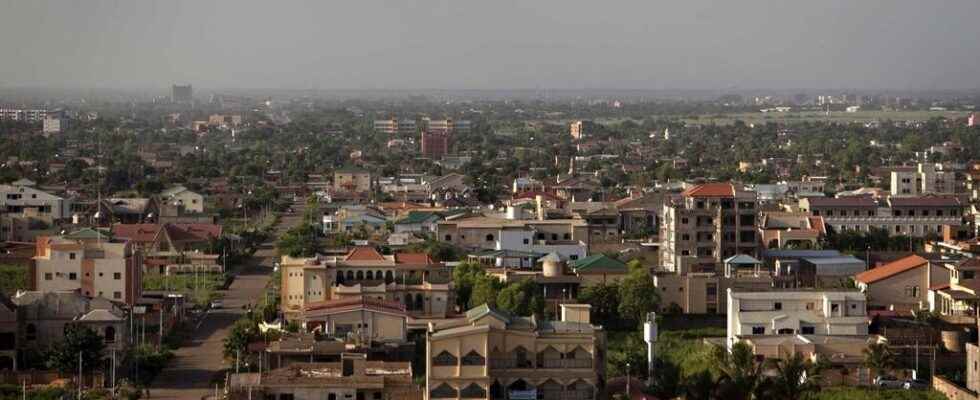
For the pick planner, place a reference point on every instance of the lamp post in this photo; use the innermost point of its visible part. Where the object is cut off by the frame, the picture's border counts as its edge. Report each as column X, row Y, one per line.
column 628, row 380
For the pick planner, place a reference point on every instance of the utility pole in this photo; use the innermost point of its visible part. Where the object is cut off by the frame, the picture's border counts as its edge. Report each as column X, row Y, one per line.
column 79, row 375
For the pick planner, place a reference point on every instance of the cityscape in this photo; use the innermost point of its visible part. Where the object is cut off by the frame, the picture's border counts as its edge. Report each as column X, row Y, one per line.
column 505, row 201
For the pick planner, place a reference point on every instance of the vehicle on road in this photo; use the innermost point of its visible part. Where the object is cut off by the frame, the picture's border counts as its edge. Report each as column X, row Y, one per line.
column 216, row 304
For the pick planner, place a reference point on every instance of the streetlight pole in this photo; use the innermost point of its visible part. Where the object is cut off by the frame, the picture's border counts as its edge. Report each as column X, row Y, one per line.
column 628, row 381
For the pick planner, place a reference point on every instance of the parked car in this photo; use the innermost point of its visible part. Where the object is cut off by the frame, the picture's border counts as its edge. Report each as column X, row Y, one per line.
column 915, row 384
column 889, row 382
column 216, row 304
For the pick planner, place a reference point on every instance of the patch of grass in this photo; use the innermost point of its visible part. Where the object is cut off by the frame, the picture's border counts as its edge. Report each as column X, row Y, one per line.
column 200, row 289
column 853, row 393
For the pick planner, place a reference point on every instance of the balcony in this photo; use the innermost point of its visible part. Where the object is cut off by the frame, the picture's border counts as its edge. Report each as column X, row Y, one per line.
column 565, row 395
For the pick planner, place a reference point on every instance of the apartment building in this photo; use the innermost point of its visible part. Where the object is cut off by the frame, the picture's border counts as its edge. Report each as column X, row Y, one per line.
column 795, row 312
column 434, row 144
column 407, row 127
column 577, row 129
column 413, row 280
column 30, row 202
column 23, row 115
column 706, row 224
column 916, row 216
column 491, row 354
column 91, row 262
column 923, row 179
column 54, row 124
column 446, row 126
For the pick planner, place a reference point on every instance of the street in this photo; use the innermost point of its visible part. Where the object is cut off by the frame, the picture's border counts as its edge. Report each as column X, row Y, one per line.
column 200, row 361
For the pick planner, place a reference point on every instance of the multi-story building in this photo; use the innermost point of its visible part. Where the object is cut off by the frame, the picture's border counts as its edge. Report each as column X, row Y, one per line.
column 779, row 229
column 350, row 379
column 352, row 180
column 446, row 126
column 435, row 144
column 91, row 262
column 406, row 127
column 706, row 224
column 915, row 216
column 922, row 180
column 46, row 315
column 413, row 280
column 54, row 124
column 795, row 312
column 494, row 355
column 181, row 93
column 902, row 285
column 577, row 129
column 569, row 238
column 31, row 202
column 23, row 115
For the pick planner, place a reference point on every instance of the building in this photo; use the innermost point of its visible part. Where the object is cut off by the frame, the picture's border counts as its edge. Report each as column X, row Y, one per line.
column 23, row 115
column 494, row 355
column 181, row 94
column 405, row 127
column 364, row 319
column 435, row 144
column 445, row 126
column 46, row 315
column 181, row 196
column 799, row 230
column 577, row 129
column 916, row 216
column 569, row 238
column 413, row 280
column 350, row 379
column 352, row 180
column 91, row 262
column 922, row 180
column 795, row 312
column 30, row 202
column 901, row 285
column 54, row 124
column 973, row 120
column 706, row 224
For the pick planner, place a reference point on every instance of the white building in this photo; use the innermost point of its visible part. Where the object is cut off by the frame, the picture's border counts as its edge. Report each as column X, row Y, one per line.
column 25, row 115
column 924, row 179
column 179, row 195
column 54, row 125
column 796, row 312
column 28, row 201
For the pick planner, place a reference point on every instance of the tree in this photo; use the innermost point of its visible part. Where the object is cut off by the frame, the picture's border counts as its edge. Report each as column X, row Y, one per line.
column 464, row 278
column 795, row 376
column 63, row 356
column 878, row 357
column 604, row 299
column 700, row 386
column 637, row 293
column 666, row 380
column 242, row 332
column 300, row 241
column 485, row 291
column 521, row 298
column 739, row 373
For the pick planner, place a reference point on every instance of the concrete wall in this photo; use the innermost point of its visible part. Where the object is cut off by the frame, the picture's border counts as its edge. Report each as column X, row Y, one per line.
column 951, row 390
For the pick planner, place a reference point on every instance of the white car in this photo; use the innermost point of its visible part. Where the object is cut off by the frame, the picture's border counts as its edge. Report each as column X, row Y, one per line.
column 216, row 304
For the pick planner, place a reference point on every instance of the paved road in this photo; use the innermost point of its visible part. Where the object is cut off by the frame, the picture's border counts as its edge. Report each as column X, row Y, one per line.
column 200, row 360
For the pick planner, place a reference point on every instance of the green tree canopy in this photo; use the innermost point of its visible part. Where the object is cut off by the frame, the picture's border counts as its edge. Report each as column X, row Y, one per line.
column 63, row 356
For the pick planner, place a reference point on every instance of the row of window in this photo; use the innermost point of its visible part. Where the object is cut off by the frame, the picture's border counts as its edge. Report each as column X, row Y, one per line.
column 804, row 330
column 74, row 276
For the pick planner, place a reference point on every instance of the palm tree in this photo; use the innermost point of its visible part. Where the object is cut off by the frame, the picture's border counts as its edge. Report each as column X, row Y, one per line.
column 878, row 357
column 666, row 380
column 739, row 372
column 699, row 386
column 793, row 378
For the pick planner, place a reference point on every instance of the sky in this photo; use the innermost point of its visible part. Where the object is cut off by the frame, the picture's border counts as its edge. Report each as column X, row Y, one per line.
column 496, row 44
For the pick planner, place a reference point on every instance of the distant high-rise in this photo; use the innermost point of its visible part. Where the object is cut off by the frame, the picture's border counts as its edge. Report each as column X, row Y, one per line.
column 973, row 120
column 182, row 94
column 435, row 144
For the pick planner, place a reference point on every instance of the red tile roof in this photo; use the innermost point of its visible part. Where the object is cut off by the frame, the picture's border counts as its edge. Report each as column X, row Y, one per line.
column 364, row 253
column 891, row 269
column 146, row 233
column 711, row 190
column 412, row 258
column 356, row 303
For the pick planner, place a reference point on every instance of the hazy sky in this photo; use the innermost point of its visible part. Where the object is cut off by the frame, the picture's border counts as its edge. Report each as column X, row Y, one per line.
column 492, row 44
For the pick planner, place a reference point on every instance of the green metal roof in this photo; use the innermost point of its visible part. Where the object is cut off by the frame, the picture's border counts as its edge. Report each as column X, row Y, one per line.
column 88, row 234
column 417, row 217
column 485, row 309
column 599, row 262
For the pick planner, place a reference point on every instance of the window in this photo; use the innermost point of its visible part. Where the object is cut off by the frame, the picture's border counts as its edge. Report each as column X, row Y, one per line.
column 568, row 236
column 527, row 241
column 473, row 391
column 117, row 295
column 31, row 332
column 777, row 306
column 758, row 330
column 117, row 275
column 573, row 257
column 554, row 236
column 473, row 358
column 72, row 276
column 684, row 221
column 685, row 237
column 834, row 308
column 806, row 330
column 444, row 359
column 448, row 238
column 71, row 256
column 967, row 274
column 443, row 391
column 809, row 306
column 711, row 289
column 489, row 238
column 48, row 276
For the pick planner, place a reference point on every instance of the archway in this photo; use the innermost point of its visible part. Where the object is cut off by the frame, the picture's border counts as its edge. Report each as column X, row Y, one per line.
column 419, row 303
